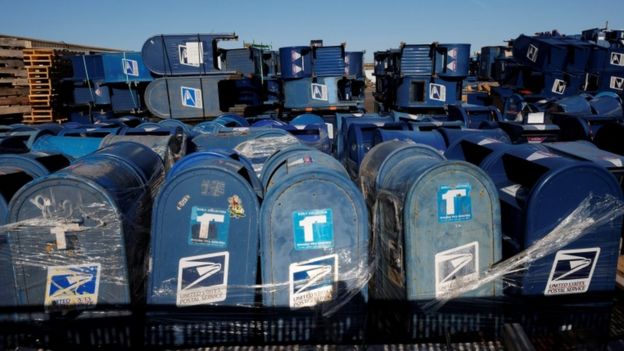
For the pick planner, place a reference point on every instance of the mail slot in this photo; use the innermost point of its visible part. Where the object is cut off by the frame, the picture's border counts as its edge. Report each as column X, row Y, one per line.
column 84, row 241
column 205, row 234
column 74, row 147
column 473, row 116
column 313, row 234
column 609, row 138
column 343, row 124
column 432, row 138
column 20, row 138
column 12, row 180
column 313, row 135
column 477, row 149
column 438, row 223
column 35, row 164
column 538, row 188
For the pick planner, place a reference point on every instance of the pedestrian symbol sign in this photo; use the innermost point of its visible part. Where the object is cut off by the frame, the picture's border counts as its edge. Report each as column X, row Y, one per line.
column 191, row 97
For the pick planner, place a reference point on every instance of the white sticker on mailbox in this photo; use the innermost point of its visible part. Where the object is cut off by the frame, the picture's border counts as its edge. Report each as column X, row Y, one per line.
column 456, row 267
column 313, row 281
column 572, row 271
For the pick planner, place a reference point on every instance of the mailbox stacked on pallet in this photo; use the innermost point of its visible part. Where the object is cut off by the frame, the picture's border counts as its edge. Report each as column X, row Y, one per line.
column 109, row 83
column 199, row 80
column 322, row 78
column 421, row 78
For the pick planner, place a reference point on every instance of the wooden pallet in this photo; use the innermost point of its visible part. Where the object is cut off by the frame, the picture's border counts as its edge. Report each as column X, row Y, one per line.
column 39, row 114
column 41, row 99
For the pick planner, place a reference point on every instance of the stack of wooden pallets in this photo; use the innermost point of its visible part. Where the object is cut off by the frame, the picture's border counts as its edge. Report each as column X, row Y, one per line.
column 14, row 91
column 40, row 69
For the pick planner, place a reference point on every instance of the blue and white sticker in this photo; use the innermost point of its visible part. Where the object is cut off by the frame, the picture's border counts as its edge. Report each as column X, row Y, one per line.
column 532, row 53
column 191, row 97
column 209, row 226
column 319, row 92
column 617, row 59
column 617, row 83
column 559, row 86
column 72, row 285
column 313, row 281
column 313, row 229
column 130, row 67
column 437, row 92
column 456, row 267
column 454, row 203
column 572, row 271
column 202, row 279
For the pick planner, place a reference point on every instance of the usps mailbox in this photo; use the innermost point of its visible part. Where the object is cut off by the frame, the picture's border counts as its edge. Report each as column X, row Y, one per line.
column 385, row 155
column 313, row 234
column 74, row 147
column 12, row 180
column 87, row 242
column 439, row 229
column 205, row 234
column 360, row 139
column 538, row 188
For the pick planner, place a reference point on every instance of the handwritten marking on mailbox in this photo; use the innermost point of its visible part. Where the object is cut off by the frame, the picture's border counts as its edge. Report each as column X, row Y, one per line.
column 313, row 281
column 72, row 285
column 313, row 229
column 202, row 279
column 209, row 226
column 572, row 271
column 455, row 267
column 454, row 203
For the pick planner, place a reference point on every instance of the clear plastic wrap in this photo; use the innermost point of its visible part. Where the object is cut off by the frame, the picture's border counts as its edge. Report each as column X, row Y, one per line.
column 258, row 150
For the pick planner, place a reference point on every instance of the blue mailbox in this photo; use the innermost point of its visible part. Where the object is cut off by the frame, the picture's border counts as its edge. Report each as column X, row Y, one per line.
column 438, row 225
column 360, row 139
column 537, row 188
column 314, row 248
column 384, row 156
column 12, row 181
column 74, row 147
column 473, row 116
column 184, row 54
column 35, row 164
column 207, row 252
column 185, row 97
column 87, row 243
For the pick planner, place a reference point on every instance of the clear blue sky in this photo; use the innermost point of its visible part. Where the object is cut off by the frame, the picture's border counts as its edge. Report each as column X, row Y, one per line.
column 363, row 25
